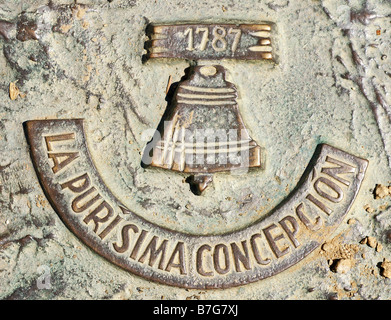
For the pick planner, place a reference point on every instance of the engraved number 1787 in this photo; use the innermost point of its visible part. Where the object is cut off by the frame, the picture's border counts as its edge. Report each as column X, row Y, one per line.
column 218, row 41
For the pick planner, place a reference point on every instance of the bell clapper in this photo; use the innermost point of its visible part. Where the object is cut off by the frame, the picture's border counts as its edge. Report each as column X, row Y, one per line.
column 199, row 182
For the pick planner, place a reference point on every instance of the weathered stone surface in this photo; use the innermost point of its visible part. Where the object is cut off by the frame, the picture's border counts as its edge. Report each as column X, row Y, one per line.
column 330, row 84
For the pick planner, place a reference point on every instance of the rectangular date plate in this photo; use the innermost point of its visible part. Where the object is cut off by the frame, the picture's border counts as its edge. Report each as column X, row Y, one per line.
column 210, row 41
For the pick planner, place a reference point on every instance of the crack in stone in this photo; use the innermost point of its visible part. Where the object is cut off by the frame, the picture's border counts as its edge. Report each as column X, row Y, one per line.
column 366, row 85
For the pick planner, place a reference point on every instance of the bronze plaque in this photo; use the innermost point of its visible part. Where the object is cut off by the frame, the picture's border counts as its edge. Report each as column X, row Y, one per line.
column 158, row 149
column 210, row 41
column 85, row 204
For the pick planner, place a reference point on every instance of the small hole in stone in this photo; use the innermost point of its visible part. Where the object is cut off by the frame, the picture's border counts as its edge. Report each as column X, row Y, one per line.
column 193, row 185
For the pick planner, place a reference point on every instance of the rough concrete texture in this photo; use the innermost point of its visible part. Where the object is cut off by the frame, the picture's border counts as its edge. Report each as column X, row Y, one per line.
column 83, row 59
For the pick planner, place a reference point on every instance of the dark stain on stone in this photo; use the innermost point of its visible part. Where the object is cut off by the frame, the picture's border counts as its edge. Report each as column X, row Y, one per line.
column 65, row 17
column 26, row 30
column 363, row 16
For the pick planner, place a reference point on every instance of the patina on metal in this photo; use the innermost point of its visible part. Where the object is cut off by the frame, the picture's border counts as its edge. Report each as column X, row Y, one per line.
column 210, row 41
column 202, row 131
column 325, row 93
column 293, row 230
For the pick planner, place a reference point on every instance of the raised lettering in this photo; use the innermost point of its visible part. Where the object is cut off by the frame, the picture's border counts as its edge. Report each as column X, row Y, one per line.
column 56, row 138
column 237, row 33
column 319, row 204
column 261, row 249
column 190, row 41
column 110, row 227
column 204, row 39
column 180, row 251
column 76, row 207
column 216, row 258
column 342, row 168
column 219, row 34
column 240, row 256
column 199, row 261
column 256, row 251
column 68, row 158
column 125, row 238
column 219, row 40
column 138, row 244
column 154, row 253
column 78, row 184
column 272, row 240
column 291, row 231
column 306, row 221
column 93, row 216
column 331, row 186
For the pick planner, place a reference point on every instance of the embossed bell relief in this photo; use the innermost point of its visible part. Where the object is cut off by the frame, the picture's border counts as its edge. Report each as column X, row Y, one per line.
column 202, row 131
